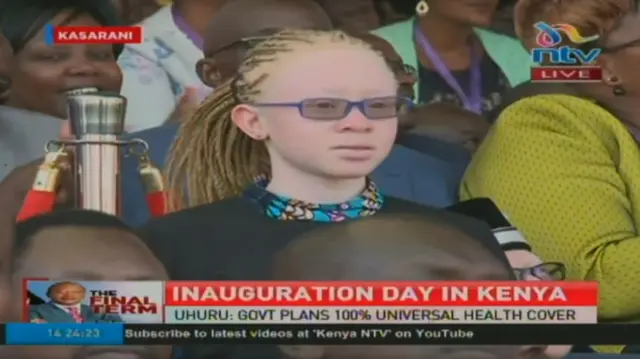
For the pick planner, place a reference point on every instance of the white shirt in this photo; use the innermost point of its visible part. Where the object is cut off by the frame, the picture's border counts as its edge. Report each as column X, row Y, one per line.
column 157, row 71
column 68, row 308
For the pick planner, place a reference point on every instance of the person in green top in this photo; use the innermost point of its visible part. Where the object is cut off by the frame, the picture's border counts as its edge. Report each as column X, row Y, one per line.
column 458, row 61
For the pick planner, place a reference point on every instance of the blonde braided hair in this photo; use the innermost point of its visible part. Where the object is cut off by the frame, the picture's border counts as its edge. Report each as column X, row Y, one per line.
column 212, row 159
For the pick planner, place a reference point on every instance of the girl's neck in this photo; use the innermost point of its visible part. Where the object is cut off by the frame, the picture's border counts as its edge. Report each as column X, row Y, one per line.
column 312, row 189
column 197, row 13
column 445, row 35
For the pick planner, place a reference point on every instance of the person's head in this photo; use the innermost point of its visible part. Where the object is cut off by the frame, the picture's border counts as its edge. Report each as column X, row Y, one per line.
column 42, row 74
column 6, row 56
column 616, row 22
column 388, row 14
column 468, row 12
column 66, row 293
column 237, row 24
column 402, row 247
column 82, row 245
column 134, row 11
column 353, row 15
column 503, row 19
column 283, row 117
column 405, row 74
column 421, row 249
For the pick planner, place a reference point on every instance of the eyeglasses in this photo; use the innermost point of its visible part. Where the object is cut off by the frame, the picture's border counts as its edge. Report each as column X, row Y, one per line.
column 399, row 67
column 543, row 271
column 337, row 108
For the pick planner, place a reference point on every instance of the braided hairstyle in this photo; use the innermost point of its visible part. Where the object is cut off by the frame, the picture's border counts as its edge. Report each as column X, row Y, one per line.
column 212, row 159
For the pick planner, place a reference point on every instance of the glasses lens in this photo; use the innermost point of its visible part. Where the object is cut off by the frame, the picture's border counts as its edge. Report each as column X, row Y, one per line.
column 549, row 271
column 324, row 108
column 384, row 107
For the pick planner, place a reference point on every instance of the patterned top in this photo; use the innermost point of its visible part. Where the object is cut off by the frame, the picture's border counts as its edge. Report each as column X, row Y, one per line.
column 566, row 171
column 366, row 204
column 434, row 89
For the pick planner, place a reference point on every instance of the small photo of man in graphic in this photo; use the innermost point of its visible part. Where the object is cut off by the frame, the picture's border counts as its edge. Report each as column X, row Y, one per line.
column 65, row 306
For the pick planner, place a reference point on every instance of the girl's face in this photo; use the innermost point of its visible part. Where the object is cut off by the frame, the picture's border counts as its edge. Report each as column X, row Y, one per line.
column 471, row 12
column 42, row 74
column 621, row 53
column 327, row 110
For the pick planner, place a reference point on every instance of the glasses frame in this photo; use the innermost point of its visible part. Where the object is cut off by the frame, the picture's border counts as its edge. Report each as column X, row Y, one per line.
column 350, row 105
column 521, row 273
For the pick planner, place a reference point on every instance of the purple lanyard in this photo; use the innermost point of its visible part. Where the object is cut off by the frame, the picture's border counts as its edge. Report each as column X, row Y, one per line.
column 473, row 102
column 186, row 28
column 635, row 133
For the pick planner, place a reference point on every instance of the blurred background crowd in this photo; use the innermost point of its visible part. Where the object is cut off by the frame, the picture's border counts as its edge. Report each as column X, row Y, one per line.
column 341, row 109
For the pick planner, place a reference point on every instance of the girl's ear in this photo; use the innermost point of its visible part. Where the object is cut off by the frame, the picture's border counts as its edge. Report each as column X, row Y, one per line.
column 248, row 120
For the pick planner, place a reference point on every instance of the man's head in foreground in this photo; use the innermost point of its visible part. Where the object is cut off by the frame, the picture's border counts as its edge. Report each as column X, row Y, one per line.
column 393, row 248
column 237, row 24
column 81, row 245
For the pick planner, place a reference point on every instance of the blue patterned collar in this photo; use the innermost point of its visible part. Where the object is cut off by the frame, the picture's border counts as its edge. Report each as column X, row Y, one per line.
column 365, row 204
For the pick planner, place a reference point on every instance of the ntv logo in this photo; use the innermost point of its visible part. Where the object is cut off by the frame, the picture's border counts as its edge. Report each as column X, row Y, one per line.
column 563, row 63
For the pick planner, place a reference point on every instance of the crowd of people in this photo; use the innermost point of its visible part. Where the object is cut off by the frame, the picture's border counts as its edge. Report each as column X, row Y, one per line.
column 331, row 140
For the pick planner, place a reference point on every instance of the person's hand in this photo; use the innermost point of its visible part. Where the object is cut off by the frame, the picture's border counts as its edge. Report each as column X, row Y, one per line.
column 448, row 123
column 522, row 258
column 14, row 187
column 526, row 259
column 38, row 321
column 188, row 104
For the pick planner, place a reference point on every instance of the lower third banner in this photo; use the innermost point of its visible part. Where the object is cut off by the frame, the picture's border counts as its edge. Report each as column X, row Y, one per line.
column 338, row 334
column 391, row 334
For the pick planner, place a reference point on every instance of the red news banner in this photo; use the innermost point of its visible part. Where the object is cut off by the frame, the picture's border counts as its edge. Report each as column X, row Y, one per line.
column 338, row 312
column 93, row 35
column 379, row 302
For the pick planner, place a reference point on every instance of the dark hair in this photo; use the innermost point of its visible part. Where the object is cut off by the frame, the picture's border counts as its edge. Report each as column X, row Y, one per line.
column 26, row 230
column 502, row 4
column 402, row 7
column 408, row 7
column 34, row 299
column 327, row 253
column 21, row 20
column 58, row 284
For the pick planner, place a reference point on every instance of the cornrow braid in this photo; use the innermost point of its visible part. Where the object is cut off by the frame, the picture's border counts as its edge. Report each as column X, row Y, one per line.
column 211, row 159
column 194, row 169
